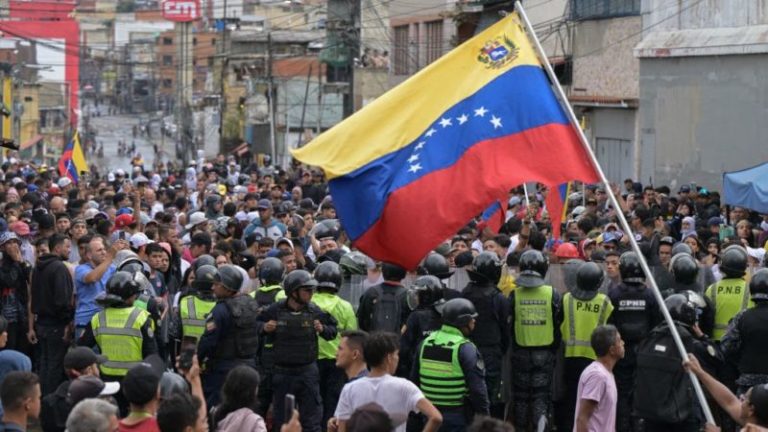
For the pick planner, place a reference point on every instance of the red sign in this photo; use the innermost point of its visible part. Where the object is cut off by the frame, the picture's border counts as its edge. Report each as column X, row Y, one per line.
column 181, row 10
column 42, row 9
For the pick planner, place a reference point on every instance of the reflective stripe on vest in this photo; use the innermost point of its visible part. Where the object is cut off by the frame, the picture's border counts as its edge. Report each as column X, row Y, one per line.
column 118, row 334
column 534, row 324
column 729, row 297
column 578, row 324
column 192, row 322
column 441, row 378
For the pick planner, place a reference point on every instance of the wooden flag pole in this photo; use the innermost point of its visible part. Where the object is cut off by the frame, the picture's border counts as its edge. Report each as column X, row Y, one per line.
column 620, row 214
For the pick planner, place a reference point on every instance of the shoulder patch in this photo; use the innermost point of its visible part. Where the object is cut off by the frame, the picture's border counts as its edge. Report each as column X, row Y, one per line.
column 711, row 350
column 150, row 332
column 210, row 325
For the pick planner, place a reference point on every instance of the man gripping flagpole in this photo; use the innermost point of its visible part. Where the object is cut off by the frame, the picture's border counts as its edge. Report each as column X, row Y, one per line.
column 622, row 219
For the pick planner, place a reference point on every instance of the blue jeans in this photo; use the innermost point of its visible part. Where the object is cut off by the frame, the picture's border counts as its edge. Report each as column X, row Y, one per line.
column 453, row 421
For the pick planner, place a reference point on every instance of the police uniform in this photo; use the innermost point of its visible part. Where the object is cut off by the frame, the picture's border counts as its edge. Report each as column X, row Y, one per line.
column 265, row 359
column 230, row 339
column 421, row 323
column 193, row 312
column 296, row 352
column 745, row 345
column 536, row 316
column 449, row 371
column 728, row 297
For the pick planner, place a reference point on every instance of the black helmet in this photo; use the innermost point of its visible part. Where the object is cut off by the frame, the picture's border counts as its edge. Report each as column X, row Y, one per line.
column 681, row 309
column 681, row 247
column 121, row 284
column 131, row 266
column 589, row 277
column 458, row 312
column 205, row 276
column 328, row 228
column 271, row 271
column 733, row 261
column 436, row 265
column 298, row 279
column 354, row 263
column 425, row 291
column 684, row 268
column 758, row 285
column 328, row 275
column 630, row 269
column 533, row 267
column 486, row 267
column 230, row 277
column 392, row 272
column 202, row 260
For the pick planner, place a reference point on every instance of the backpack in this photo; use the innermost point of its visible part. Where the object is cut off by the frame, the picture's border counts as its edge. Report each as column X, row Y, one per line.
column 663, row 390
column 387, row 309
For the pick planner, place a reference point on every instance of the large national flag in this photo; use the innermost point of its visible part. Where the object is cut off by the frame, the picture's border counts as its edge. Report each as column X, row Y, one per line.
column 418, row 163
column 72, row 161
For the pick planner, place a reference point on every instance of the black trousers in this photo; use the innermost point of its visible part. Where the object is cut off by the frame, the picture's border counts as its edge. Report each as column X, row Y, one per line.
column 304, row 384
column 53, row 347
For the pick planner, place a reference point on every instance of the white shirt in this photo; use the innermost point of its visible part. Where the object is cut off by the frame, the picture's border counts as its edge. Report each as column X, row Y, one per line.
column 397, row 396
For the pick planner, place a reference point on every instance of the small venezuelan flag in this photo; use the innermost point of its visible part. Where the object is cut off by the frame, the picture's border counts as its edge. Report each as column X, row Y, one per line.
column 414, row 166
column 72, row 161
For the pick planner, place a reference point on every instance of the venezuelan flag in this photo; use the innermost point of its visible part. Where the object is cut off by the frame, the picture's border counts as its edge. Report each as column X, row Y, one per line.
column 72, row 161
column 557, row 206
column 418, row 163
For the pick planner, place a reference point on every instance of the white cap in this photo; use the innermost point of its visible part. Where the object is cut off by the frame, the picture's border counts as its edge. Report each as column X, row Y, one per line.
column 140, row 239
column 196, row 218
column 111, row 177
column 64, row 182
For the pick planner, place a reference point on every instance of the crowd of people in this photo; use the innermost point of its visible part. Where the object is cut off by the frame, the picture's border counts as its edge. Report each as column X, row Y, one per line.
column 227, row 296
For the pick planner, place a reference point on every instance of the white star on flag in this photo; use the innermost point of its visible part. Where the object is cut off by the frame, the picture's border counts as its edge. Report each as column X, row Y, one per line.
column 496, row 121
column 480, row 112
column 420, row 145
column 430, row 133
column 413, row 158
column 414, row 168
column 445, row 122
column 462, row 119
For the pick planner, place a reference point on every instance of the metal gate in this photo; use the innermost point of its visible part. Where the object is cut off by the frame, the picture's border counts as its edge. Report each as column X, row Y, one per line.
column 615, row 156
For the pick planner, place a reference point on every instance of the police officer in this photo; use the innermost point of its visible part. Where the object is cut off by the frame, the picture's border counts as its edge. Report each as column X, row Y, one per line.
column 295, row 323
column 536, row 316
column 425, row 296
column 635, row 313
column 492, row 334
column 584, row 309
column 745, row 342
column 731, row 295
column 436, row 265
column 271, row 273
column 195, row 307
column 230, row 338
column 328, row 277
column 685, row 274
column 123, row 332
column 449, row 368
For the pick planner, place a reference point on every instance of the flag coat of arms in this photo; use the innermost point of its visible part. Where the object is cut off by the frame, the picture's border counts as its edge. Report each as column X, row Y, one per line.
column 413, row 167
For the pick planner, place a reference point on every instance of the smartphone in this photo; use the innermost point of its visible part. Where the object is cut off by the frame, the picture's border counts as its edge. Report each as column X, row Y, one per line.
column 290, row 406
column 188, row 350
column 121, row 235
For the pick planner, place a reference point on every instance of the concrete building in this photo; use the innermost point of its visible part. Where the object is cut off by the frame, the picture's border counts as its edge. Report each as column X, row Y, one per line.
column 702, row 90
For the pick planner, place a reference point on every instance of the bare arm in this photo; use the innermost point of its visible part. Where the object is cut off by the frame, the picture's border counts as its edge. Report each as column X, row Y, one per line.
column 586, row 408
column 434, row 418
column 722, row 395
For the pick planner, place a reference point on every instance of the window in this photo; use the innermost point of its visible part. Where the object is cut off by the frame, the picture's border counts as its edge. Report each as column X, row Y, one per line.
column 167, row 83
column 433, row 41
column 194, row 41
column 167, row 41
column 596, row 9
column 167, row 60
column 213, row 41
column 400, row 51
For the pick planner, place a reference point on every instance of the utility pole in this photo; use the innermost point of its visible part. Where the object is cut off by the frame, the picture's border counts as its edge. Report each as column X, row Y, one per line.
column 271, row 99
column 304, row 107
column 222, row 97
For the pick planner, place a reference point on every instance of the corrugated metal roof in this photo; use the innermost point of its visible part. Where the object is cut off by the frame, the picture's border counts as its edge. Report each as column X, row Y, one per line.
column 704, row 42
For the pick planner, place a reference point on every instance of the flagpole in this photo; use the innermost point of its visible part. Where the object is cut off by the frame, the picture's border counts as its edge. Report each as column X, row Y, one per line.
column 620, row 214
column 527, row 200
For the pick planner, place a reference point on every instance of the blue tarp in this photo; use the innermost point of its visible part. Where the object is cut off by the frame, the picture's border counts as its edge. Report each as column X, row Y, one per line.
column 747, row 188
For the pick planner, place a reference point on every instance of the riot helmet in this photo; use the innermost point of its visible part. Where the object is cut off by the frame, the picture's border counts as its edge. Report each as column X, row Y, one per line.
column 205, row 276
column 271, row 271
column 354, row 263
column 123, row 256
column 684, row 268
column 733, row 261
column 458, row 312
column 328, row 228
column 630, row 269
column 486, row 268
column 425, row 291
column 681, row 310
column 758, row 285
column 328, row 275
column 681, row 247
column 436, row 265
column 533, row 267
column 298, row 279
column 202, row 260
column 229, row 277
column 121, row 284
column 589, row 278
column 131, row 266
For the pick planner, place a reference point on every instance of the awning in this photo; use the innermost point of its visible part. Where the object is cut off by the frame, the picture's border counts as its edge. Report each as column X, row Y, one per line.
column 747, row 188
column 30, row 142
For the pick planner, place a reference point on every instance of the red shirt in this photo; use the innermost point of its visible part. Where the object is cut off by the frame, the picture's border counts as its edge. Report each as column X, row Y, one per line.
column 147, row 425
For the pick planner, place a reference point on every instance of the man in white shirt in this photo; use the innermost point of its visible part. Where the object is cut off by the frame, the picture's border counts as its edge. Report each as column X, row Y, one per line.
column 397, row 396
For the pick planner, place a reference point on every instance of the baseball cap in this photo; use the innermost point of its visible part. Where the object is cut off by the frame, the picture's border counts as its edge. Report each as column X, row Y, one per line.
column 124, row 210
column 64, row 182
column 123, row 221
column 515, row 200
column 684, row 189
column 81, row 357
column 140, row 239
column 20, row 228
column 284, row 240
column 265, row 204
column 8, row 236
column 87, row 387
column 714, row 220
column 196, row 218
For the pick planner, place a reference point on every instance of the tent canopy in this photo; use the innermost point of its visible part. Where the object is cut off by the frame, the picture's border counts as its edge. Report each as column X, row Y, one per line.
column 747, row 188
